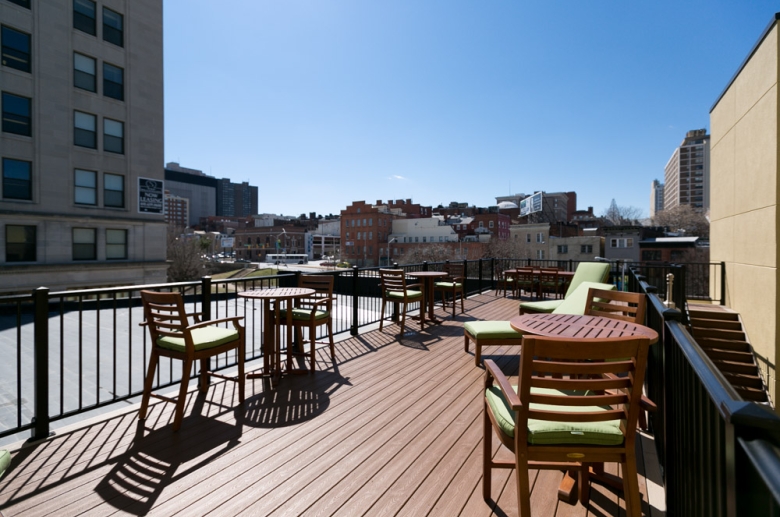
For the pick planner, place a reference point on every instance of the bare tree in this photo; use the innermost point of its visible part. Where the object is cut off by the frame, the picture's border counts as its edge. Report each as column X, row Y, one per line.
column 429, row 253
column 684, row 217
column 622, row 215
column 184, row 256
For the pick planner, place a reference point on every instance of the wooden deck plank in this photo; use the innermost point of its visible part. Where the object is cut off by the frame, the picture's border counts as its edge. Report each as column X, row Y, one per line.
column 391, row 427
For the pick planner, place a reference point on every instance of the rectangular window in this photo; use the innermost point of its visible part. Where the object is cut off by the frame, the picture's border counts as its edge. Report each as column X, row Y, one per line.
column 114, row 190
column 527, row 237
column 20, row 243
column 84, row 74
column 16, row 49
column 563, row 250
column 17, row 179
column 112, row 27
column 84, row 247
column 113, row 136
column 86, row 187
column 116, row 244
column 539, row 237
column 113, row 82
column 540, row 254
column 84, row 16
column 17, row 114
column 622, row 243
column 85, row 130
column 490, row 224
column 23, row 3
column 586, row 248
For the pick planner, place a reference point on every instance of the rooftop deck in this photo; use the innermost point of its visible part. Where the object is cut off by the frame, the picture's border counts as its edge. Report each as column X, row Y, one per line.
column 393, row 427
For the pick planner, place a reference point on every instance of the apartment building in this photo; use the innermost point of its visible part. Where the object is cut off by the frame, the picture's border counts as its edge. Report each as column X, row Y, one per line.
column 687, row 173
column 745, row 174
column 81, row 196
column 656, row 197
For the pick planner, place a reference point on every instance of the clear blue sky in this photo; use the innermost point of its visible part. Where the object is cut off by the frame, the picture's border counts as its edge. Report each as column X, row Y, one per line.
column 320, row 103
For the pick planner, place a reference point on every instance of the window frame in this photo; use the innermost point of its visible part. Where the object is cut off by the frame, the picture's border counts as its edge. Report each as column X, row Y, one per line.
column 91, row 79
column 111, row 33
column 27, row 246
column 83, row 131
column 109, row 193
column 21, row 3
column 14, row 53
column 110, row 139
column 7, row 179
column 112, row 247
column 110, row 86
column 82, row 20
column 16, row 118
column 84, row 246
column 81, row 186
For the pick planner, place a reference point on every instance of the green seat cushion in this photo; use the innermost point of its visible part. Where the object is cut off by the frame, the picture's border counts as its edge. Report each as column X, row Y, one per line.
column 576, row 301
column 304, row 314
column 491, row 330
column 203, row 338
column 448, row 285
column 545, row 432
column 543, row 306
column 410, row 294
column 5, row 461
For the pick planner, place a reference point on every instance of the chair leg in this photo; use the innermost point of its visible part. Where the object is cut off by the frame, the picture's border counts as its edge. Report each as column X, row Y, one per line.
column 153, row 360
column 382, row 315
column 185, row 380
column 477, row 352
column 584, row 488
column 241, row 376
column 204, row 375
column 313, row 345
column 462, row 309
column 631, row 487
column 523, row 486
column 330, row 339
column 403, row 319
column 487, row 449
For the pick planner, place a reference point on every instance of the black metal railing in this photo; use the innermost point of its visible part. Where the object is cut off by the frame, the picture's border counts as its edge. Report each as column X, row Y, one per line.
column 719, row 453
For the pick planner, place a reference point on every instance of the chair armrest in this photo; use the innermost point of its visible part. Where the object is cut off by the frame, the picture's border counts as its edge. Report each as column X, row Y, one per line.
column 323, row 301
column 195, row 315
column 647, row 404
column 235, row 320
column 413, row 285
column 503, row 384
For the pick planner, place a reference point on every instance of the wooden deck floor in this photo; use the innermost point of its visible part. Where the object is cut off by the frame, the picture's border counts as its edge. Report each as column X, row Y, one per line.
column 392, row 428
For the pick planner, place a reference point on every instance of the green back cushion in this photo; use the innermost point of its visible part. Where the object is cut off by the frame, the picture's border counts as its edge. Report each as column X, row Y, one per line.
column 576, row 301
column 203, row 338
column 5, row 461
column 491, row 330
column 543, row 306
column 544, row 432
column 588, row 272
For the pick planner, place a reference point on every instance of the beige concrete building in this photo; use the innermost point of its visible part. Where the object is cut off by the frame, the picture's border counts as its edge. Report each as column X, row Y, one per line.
column 744, row 215
column 81, row 196
column 687, row 173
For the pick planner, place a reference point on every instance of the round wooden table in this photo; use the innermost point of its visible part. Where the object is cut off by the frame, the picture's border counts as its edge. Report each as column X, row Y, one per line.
column 272, row 346
column 579, row 327
column 428, row 278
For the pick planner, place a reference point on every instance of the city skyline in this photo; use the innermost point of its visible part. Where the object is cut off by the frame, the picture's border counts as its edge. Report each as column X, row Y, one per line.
column 322, row 104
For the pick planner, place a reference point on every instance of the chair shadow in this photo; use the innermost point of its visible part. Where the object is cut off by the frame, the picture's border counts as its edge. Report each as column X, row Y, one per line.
column 290, row 402
column 154, row 459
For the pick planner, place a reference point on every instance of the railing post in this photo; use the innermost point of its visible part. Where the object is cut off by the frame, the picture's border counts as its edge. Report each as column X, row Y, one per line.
column 425, row 265
column 723, row 283
column 480, row 276
column 493, row 273
column 353, row 329
column 40, row 421
column 395, row 314
column 205, row 298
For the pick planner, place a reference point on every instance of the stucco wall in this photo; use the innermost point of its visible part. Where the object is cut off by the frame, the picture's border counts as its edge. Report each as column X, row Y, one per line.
column 744, row 194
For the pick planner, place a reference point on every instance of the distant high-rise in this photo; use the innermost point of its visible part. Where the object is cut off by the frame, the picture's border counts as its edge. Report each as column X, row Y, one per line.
column 656, row 198
column 81, row 195
column 687, row 173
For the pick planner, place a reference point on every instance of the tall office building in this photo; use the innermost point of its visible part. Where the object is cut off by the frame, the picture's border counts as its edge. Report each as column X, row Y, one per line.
column 81, row 196
column 656, row 198
column 687, row 173
column 236, row 199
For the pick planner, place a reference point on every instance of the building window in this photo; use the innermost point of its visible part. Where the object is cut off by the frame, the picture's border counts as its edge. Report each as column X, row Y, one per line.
column 114, row 190
column 540, row 254
column 540, row 237
column 85, row 130
column 16, row 49
column 622, row 243
column 490, row 224
column 20, row 243
column 113, row 82
column 116, row 244
column 84, row 16
column 84, row 247
column 481, row 224
column 16, row 114
column 586, row 248
column 86, row 187
column 527, row 237
column 17, row 179
column 113, row 136
column 563, row 250
column 84, row 75
column 112, row 27
column 23, row 3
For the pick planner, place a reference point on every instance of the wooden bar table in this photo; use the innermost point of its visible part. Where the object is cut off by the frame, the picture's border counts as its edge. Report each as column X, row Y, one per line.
column 272, row 346
column 428, row 278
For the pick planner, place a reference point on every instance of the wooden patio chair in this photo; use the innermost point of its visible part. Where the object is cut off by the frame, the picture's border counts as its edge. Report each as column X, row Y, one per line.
column 506, row 281
column 566, row 412
column 314, row 311
column 452, row 284
column 395, row 290
column 549, row 283
column 173, row 337
column 525, row 280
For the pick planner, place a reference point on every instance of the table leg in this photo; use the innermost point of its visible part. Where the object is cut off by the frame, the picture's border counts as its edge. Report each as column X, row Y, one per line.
column 269, row 340
column 429, row 294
